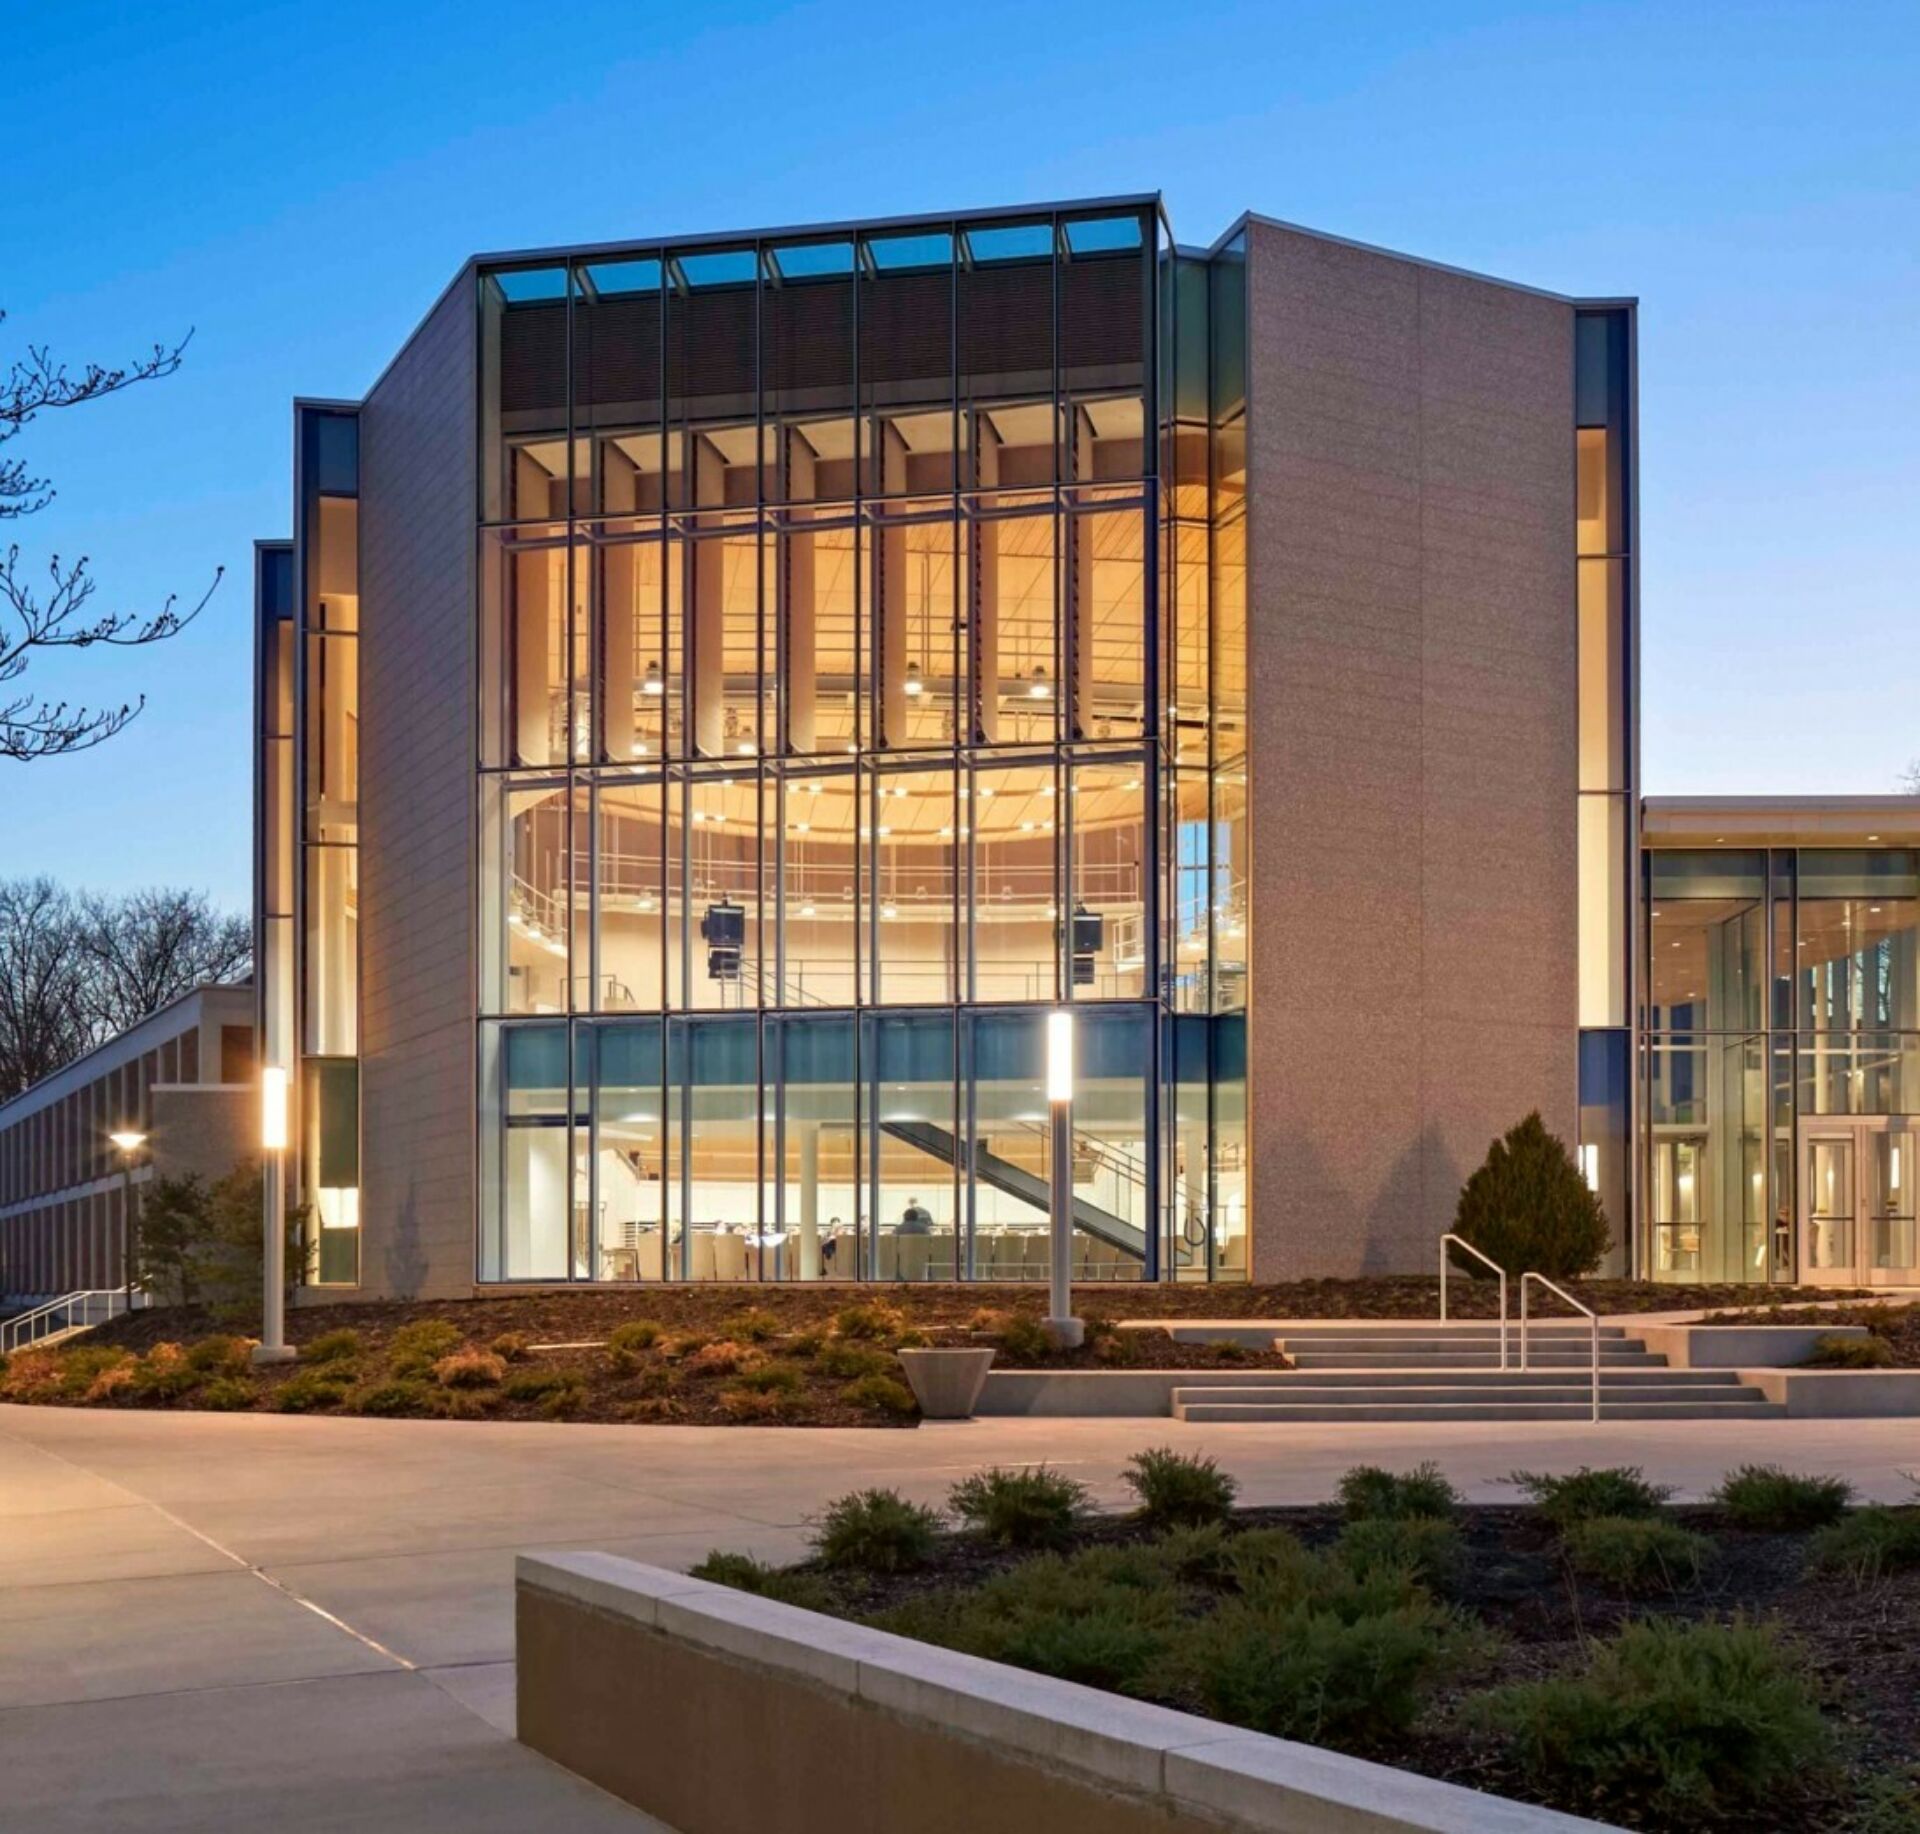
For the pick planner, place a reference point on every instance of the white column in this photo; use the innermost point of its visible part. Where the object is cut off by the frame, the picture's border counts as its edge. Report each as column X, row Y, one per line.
column 810, row 1201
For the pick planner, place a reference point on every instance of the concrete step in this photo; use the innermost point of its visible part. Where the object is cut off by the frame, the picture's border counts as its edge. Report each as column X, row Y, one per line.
column 1694, row 1407
column 1488, row 1380
column 1428, row 1342
column 1468, row 1359
column 1443, row 1393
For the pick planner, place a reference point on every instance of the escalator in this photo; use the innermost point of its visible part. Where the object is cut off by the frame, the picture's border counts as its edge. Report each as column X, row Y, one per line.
column 1017, row 1182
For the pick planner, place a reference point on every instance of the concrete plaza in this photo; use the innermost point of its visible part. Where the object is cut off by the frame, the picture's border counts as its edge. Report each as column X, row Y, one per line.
column 218, row 1621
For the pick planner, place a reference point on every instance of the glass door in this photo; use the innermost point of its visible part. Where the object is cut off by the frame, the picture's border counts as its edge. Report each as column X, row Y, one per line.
column 1857, row 1202
column 1826, row 1240
column 1890, row 1209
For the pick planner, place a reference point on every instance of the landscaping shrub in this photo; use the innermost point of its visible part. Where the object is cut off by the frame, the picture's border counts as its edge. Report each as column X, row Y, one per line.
column 1368, row 1493
column 333, row 1347
column 115, row 1379
column 564, row 1400
column 1427, row 1547
column 1636, row 1554
column 875, row 1531
column 404, row 1397
column 1197, row 1556
column 635, row 1334
column 1579, row 1496
column 164, row 1374
column 1529, row 1208
column 1307, row 1673
column 416, row 1347
column 688, row 1343
column 1670, row 1720
column 755, row 1326
column 1888, row 1804
column 866, row 1321
column 84, row 1364
column 751, row 1404
column 1178, row 1489
column 309, row 1391
column 882, row 1393
column 510, row 1346
column 847, row 1362
column 1036, row 1508
column 1868, row 1544
column 722, row 1357
column 746, row 1574
column 534, row 1384
column 772, row 1379
column 469, row 1367
column 1766, row 1497
column 1107, row 1617
column 31, row 1375
column 804, row 1343
column 227, row 1395
column 1836, row 1352
column 1024, row 1338
column 1114, row 1645
column 213, row 1356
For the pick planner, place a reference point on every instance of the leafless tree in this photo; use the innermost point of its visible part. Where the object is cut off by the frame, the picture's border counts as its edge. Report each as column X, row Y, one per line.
column 1910, row 779
column 43, row 1016
column 149, row 947
column 76, row 971
column 53, row 609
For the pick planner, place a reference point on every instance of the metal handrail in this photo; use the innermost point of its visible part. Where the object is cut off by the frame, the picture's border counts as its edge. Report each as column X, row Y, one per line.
column 63, row 1314
column 1488, row 1260
column 1593, row 1324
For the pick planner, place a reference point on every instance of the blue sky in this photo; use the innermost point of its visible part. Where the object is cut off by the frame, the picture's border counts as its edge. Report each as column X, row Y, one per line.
column 297, row 184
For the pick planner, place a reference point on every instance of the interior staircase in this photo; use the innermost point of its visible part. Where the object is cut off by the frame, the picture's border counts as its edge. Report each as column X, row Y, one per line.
column 1412, row 1372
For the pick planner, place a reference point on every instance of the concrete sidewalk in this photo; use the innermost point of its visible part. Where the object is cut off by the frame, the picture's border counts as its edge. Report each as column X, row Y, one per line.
column 218, row 1621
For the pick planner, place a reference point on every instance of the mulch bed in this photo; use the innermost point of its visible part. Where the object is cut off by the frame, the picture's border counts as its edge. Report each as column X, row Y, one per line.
column 566, row 1332
column 1861, row 1642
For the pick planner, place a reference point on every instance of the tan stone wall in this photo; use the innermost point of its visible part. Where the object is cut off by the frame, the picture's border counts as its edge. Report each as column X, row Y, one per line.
column 418, row 849
column 1412, row 667
column 204, row 1131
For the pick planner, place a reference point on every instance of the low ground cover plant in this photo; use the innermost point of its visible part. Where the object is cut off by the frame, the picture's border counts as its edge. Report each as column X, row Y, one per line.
column 876, row 1531
column 1837, row 1352
column 1579, row 1496
column 1868, row 1544
column 1764, row 1497
column 1654, row 1700
column 1179, row 1489
column 1636, row 1555
column 1679, row 1720
column 1368, row 1492
column 1037, row 1508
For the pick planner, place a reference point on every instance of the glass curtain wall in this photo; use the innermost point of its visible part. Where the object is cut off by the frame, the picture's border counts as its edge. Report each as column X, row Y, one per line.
column 823, row 750
column 1605, row 503
column 327, row 762
column 1783, row 1063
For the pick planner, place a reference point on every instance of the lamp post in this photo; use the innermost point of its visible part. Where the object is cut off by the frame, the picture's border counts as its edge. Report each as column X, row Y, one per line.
column 273, row 1346
column 129, row 1141
column 1065, row 1330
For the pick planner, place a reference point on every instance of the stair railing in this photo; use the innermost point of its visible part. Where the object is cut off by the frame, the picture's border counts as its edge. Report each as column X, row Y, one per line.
column 69, row 1312
column 1593, row 1330
column 1457, row 1241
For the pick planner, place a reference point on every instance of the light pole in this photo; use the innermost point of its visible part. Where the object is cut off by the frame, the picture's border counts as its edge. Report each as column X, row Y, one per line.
column 1065, row 1330
column 273, row 1346
column 129, row 1141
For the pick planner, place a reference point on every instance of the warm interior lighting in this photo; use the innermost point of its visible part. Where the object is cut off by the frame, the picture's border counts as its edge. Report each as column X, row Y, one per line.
column 1059, row 1057
column 1040, row 688
column 273, row 1108
column 653, row 682
column 913, row 684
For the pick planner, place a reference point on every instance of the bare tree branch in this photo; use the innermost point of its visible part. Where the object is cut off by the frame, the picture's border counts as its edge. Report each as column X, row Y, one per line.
column 56, row 615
